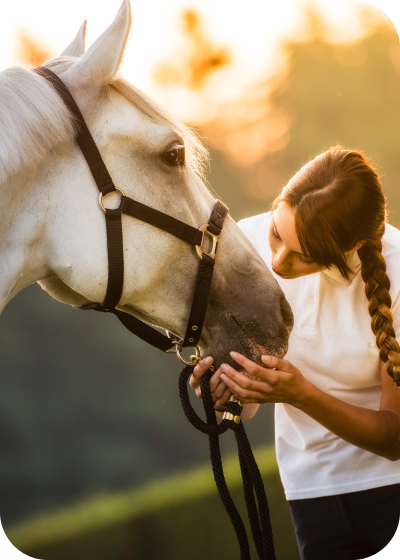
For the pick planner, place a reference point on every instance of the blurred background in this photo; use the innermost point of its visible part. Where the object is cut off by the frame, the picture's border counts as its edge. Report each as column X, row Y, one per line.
column 95, row 450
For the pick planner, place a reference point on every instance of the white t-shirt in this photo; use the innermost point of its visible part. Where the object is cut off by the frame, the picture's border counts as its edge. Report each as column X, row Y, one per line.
column 333, row 346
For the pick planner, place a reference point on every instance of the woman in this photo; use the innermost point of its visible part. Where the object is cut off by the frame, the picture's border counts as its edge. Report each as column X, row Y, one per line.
column 337, row 391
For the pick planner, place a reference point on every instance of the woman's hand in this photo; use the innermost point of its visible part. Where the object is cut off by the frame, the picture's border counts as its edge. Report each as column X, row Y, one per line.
column 219, row 390
column 278, row 382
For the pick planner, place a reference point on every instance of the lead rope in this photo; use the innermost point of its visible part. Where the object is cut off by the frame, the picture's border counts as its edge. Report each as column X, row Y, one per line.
column 260, row 522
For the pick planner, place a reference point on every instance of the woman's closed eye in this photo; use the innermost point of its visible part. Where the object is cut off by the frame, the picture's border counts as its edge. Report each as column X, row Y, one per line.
column 305, row 262
column 309, row 262
column 275, row 234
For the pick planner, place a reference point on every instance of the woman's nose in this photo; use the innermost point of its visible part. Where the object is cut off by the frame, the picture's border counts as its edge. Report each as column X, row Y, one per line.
column 279, row 260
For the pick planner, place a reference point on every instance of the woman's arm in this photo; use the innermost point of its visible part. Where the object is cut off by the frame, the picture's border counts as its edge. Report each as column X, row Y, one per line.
column 377, row 431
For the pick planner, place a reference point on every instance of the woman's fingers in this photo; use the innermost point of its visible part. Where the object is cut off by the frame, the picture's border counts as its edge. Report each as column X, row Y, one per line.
column 246, row 384
column 199, row 371
column 217, row 386
column 247, row 393
column 197, row 374
column 221, row 402
column 219, row 390
column 215, row 382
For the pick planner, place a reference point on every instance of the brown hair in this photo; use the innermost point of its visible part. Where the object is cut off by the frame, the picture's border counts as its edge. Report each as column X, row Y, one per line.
column 338, row 202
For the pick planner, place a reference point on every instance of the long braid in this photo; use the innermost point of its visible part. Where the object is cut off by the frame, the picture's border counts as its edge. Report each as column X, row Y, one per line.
column 377, row 284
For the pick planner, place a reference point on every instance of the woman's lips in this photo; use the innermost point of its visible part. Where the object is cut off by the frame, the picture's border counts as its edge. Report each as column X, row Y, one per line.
column 279, row 274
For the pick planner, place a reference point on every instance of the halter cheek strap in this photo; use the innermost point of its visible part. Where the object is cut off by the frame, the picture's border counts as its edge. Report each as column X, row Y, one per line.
column 151, row 216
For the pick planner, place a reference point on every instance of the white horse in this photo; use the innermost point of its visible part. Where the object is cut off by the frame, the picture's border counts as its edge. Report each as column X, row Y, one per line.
column 53, row 232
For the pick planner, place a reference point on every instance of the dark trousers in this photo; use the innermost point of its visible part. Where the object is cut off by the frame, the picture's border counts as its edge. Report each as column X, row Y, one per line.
column 347, row 526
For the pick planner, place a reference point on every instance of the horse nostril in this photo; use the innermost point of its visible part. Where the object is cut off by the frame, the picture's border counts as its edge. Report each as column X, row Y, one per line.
column 286, row 312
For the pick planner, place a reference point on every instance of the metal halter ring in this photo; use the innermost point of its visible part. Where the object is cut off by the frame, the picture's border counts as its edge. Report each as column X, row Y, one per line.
column 193, row 359
column 215, row 239
column 101, row 198
column 178, row 350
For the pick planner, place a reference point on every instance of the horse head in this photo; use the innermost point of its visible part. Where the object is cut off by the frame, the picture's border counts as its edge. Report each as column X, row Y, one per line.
column 54, row 232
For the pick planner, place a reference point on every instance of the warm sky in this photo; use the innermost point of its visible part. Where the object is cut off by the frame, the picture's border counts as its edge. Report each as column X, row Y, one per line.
column 251, row 30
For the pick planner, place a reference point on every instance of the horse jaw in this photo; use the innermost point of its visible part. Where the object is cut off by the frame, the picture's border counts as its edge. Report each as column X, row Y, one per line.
column 77, row 47
column 61, row 292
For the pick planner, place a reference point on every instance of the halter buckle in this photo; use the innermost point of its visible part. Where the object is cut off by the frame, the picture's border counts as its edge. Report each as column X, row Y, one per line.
column 101, row 198
column 215, row 239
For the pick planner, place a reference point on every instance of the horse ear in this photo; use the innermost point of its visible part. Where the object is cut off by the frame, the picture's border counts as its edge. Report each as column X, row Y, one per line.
column 77, row 47
column 101, row 61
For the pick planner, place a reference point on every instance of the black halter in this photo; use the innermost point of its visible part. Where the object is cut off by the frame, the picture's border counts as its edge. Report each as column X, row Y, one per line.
column 151, row 216
column 252, row 481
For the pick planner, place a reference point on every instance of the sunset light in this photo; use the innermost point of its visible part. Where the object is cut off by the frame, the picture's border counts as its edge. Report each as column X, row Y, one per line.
column 236, row 45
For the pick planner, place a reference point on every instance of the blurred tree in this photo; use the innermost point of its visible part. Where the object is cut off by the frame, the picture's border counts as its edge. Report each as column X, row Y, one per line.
column 31, row 51
column 196, row 61
column 329, row 93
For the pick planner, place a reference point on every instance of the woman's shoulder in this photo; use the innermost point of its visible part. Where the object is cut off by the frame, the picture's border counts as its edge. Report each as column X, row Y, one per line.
column 256, row 228
column 391, row 252
column 391, row 242
column 391, row 236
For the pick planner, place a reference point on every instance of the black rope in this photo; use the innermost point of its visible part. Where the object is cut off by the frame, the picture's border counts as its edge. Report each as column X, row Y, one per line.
column 251, row 505
column 258, row 512
column 258, row 485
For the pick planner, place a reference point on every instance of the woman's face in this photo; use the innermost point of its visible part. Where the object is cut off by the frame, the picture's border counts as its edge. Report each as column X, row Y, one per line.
column 287, row 258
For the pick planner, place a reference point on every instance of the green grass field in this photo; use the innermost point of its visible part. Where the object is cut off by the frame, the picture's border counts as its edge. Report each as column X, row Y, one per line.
column 179, row 516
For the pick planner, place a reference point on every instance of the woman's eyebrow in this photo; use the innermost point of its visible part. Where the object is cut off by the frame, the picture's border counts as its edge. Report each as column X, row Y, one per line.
column 277, row 234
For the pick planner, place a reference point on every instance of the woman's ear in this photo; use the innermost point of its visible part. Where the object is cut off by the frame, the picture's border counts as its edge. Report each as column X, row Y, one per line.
column 358, row 246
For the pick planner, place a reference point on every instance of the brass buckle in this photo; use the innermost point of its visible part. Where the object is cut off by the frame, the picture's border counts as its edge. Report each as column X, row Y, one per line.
column 101, row 198
column 215, row 239
column 234, row 399
column 230, row 416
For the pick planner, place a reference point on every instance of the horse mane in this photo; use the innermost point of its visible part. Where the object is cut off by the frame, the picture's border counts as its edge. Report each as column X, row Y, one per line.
column 34, row 120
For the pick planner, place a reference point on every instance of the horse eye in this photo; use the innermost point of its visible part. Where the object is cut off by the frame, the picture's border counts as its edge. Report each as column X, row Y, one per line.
column 175, row 156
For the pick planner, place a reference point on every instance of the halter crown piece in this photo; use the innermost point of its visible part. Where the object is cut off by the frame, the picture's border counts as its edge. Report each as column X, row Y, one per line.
column 252, row 482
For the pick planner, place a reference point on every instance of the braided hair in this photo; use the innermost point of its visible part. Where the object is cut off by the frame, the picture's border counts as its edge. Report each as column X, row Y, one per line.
column 338, row 202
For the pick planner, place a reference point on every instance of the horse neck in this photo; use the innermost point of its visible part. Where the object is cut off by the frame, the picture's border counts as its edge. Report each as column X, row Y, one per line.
column 22, row 231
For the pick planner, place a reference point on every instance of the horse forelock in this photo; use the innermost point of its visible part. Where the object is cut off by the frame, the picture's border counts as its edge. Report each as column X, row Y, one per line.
column 34, row 120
